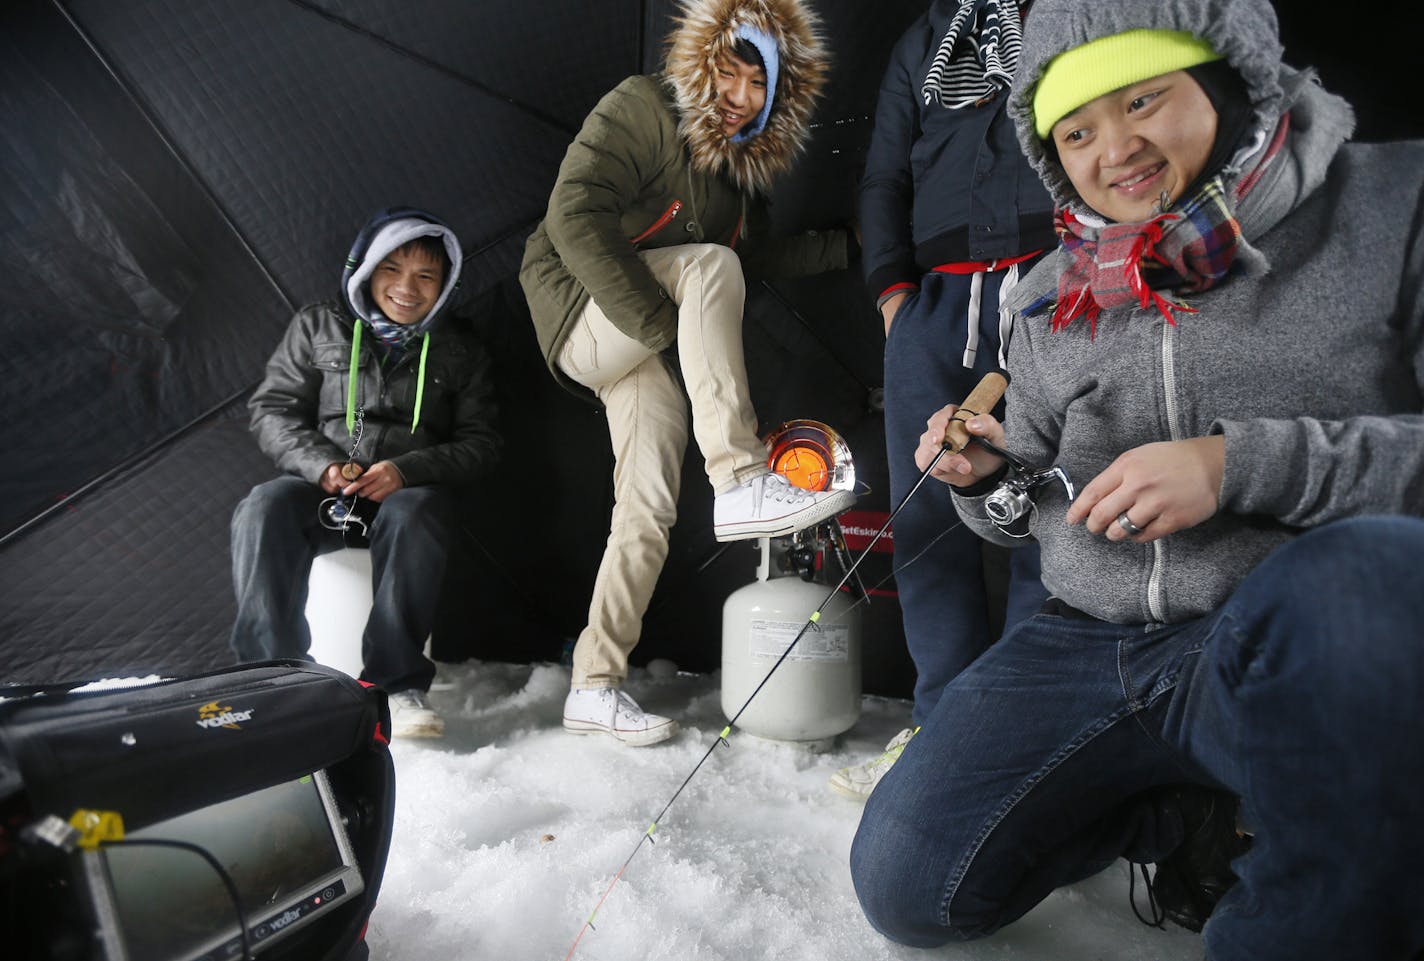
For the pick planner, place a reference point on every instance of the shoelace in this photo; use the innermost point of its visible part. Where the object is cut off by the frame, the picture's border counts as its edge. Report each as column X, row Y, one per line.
column 780, row 490
column 893, row 752
column 1156, row 916
column 627, row 706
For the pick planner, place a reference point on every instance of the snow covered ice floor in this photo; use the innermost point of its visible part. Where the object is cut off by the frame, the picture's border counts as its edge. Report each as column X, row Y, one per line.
column 509, row 830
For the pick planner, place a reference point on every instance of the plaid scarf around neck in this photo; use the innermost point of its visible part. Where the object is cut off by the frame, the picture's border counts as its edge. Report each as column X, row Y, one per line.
column 1190, row 248
column 970, row 66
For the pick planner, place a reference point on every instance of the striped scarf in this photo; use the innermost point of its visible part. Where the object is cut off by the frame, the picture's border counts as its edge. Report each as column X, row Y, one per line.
column 1190, row 248
column 971, row 66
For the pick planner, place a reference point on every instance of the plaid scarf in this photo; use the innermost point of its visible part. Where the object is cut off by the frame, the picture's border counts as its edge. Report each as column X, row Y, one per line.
column 395, row 337
column 1190, row 248
column 970, row 66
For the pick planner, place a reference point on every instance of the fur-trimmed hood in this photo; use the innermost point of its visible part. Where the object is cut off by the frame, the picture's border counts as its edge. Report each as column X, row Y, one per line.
column 706, row 30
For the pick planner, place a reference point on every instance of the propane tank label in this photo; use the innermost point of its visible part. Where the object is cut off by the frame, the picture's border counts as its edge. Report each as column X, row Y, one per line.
column 821, row 642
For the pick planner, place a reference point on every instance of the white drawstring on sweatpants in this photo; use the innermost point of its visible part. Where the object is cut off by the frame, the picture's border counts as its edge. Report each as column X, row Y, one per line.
column 1006, row 317
column 976, row 300
column 976, row 303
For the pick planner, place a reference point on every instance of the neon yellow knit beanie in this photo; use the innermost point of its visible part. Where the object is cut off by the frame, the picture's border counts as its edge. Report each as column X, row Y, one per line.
column 1101, row 66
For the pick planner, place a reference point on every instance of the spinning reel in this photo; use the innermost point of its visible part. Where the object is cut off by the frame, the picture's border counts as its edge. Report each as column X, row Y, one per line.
column 1012, row 500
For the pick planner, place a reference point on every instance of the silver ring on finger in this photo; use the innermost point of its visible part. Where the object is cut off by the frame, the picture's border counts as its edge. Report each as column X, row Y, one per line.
column 1126, row 524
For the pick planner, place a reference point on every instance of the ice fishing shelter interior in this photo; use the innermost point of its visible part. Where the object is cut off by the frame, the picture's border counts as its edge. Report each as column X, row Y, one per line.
column 180, row 175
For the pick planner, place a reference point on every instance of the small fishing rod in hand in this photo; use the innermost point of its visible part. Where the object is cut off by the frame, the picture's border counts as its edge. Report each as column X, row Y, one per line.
column 981, row 400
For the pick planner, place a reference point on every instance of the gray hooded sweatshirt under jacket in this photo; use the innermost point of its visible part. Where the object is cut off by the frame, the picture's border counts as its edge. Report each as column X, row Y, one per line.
column 1308, row 358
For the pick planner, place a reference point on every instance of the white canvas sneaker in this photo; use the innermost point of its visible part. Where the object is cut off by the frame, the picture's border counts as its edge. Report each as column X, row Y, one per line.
column 858, row 780
column 769, row 506
column 607, row 710
column 412, row 716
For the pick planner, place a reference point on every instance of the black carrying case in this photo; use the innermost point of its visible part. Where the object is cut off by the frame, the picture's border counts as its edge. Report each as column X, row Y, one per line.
column 156, row 751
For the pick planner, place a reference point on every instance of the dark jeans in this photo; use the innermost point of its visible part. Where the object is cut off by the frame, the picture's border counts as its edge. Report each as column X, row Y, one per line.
column 942, row 594
column 1301, row 694
column 275, row 537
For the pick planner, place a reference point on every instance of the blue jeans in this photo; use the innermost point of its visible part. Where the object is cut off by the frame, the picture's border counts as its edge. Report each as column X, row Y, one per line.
column 1300, row 694
column 275, row 537
column 942, row 595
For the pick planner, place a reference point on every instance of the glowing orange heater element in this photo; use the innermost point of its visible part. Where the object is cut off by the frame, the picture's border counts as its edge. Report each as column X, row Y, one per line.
column 805, row 467
column 810, row 455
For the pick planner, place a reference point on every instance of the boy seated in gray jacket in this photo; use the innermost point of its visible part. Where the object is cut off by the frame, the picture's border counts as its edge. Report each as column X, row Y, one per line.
column 376, row 411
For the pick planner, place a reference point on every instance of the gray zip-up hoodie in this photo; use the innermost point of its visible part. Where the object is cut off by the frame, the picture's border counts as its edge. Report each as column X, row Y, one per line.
column 1309, row 359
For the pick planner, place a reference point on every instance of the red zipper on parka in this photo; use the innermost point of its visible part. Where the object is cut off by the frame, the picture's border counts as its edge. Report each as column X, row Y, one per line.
column 660, row 223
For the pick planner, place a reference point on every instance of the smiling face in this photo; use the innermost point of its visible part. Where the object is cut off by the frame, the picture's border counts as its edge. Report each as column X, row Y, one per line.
column 406, row 284
column 1129, row 149
column 741, row 93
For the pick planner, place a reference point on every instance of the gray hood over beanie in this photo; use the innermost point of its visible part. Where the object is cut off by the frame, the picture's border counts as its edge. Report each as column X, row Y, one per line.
column 1246, row 34
column 1308, row 358
column 1243, row 31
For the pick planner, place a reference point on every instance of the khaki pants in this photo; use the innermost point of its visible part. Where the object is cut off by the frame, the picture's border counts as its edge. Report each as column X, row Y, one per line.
column 647, row 420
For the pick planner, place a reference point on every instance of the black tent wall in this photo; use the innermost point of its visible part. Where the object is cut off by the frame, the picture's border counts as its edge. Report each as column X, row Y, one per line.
column 182, row 175
column 179, row 176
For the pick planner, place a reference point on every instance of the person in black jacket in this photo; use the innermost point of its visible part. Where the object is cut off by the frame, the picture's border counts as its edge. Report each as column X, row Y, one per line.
column 951, row 213
column 376, row 412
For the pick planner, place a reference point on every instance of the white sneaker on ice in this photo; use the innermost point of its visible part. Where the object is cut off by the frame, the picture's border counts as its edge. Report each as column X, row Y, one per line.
column 769, row 506
column 857, row 781
column 412, row 716
column 607, row 710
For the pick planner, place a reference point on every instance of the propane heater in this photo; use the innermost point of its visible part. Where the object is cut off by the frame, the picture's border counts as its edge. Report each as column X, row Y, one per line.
column 815, row 694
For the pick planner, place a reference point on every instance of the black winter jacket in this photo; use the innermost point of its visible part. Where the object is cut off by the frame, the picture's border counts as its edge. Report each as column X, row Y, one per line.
column 299, row 409
column 943, row 186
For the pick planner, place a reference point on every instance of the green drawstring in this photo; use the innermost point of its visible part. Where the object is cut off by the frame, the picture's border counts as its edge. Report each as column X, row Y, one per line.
column 420, row 382
column 351, row 380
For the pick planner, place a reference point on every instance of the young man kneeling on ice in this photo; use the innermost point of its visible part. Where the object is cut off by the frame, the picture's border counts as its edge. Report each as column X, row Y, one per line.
column 379, row 366
column 1226, row 355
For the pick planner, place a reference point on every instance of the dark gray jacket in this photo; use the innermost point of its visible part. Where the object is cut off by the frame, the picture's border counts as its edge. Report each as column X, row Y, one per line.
column 1310, row 363
column 942, row 185
column 299, row 409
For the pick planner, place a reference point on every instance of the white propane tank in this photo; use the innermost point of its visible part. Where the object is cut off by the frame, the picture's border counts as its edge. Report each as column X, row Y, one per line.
column 815, row 694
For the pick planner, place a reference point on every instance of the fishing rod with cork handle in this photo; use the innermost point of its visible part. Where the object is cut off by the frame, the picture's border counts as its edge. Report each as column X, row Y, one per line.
column 982, row 399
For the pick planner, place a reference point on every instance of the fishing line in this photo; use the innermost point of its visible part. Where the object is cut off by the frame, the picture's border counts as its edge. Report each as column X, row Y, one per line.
column 895, row 572
column 723, row 737
column 981, row 399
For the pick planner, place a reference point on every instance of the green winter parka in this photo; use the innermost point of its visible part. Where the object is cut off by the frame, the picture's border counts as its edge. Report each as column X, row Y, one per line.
column 650, row 168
